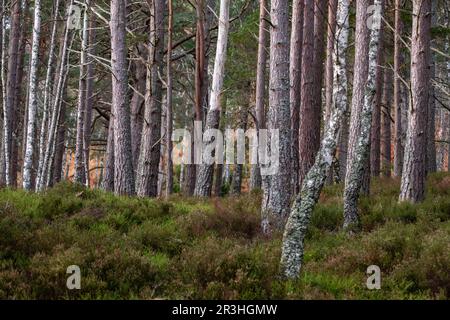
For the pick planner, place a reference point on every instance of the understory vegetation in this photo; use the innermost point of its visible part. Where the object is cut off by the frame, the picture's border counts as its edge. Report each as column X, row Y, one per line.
column 187, row 248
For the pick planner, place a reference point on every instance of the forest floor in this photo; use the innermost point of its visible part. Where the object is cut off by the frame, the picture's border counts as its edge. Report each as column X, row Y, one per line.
column 129, row 248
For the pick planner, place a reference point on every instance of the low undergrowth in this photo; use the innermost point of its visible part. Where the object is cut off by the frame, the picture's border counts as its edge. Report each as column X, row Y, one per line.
column 130, row 248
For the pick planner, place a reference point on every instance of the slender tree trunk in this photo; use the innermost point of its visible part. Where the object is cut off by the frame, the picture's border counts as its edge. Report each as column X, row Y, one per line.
column 375, row 143
column 148, row 166
column 295, row 76
column 296, row 227
column 60, row 142
column 239, row 168
column 47, row 96
column 219, row 167
column 386, row 125
column 3, row 159
column 308, row 121
column 42, row 179
column 80, row 159
column 108, row 179
column 414, row 171
column 398, row 135
column 89, row 99
column 137, row 102
column 32, row 104
column 169, row 115
column 8, row 110
column 123, row 164
column 331, row 34
column 203, row 185
column 277, row 197
column 431, row 125
column 261, row 84
column 361, row 146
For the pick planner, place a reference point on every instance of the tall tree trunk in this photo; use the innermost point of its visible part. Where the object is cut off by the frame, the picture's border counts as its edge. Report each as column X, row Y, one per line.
column 137, row 102
column 48, row 155
column 60, row 142
column 398, row 135
column 414, row 172
column 296, row 227
column 239, row 168
column 169, row 115
column 313, row 46
column 331, row 34
column 431, row 125
column 295, row 77
column 307, row 106
column 255, row 181
column 148, row 166
column 89, row 99
column 47, row 95
column 80, row 159
column 123, row 164
column 32, row 103
column 277, row 197
column 8, row 110
column 203, row 185
column 386, row 125
column 361, row 143
column 219, row 167
column 375, row 143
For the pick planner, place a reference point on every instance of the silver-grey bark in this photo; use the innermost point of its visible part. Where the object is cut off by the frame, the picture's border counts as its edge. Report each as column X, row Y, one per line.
column 361, row 147
column 299, row 218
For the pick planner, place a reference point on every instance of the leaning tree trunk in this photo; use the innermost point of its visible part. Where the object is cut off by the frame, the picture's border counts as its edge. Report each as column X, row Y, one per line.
column 123, row 164
column 361, row 147
column 150, row 153
column 277, row 197
column 414, row 167
column 32, row 100
column 295, row 77
column 80, row 160
column 203, row 184
column 294, row 235
column 256, row 181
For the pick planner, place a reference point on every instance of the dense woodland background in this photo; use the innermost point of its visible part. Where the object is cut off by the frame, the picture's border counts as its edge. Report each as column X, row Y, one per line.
column 92, row 90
